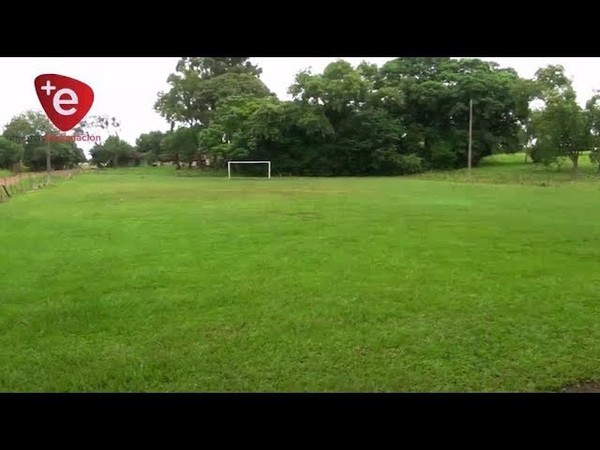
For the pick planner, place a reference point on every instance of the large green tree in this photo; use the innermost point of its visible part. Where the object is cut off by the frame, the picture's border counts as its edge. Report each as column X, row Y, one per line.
column 229, row 135
column 199, row 84
column 181, row 145
column 561, row 127
column 290, row 134
column 431, row 96
column 365, row 137
column 149, row 145
column 340, row 90
column 296, row 137
column 562, row 131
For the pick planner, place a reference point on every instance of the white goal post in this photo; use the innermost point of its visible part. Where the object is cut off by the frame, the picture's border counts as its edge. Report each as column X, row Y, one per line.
column 268, row 163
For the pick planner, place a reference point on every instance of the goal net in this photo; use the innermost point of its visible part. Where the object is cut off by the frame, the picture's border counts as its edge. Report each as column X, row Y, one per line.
column 248, row 169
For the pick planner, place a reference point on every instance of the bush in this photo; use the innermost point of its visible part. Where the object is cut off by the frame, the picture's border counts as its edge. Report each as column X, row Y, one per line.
column 389, row 162
column 443, row 156
column 411, row 164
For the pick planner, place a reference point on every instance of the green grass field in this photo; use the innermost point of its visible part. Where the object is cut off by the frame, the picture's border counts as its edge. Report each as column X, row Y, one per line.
column 138, row 280
column 512, row 169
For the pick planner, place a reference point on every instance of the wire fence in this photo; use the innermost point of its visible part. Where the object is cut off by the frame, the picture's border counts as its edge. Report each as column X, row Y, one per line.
column 30, row 181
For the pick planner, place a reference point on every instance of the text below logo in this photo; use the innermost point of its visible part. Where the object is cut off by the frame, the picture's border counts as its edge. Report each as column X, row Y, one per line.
column 65, row 100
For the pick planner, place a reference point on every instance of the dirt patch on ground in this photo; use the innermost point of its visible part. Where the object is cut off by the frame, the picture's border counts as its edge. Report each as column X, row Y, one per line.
column 8, row 181
column 585, row 387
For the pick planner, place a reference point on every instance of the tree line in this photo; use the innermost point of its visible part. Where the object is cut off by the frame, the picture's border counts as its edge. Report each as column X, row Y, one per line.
column 23, row 147
column 407, row 116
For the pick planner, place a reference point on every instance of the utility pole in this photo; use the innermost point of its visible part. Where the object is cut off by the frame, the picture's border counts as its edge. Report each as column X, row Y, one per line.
column 470, row 156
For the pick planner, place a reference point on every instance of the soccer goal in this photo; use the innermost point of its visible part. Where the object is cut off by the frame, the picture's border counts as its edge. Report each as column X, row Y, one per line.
column 268, row 163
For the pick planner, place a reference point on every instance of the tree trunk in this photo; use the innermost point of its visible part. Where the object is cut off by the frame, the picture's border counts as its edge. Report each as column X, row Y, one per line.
column 48, row 163
column 575, row 161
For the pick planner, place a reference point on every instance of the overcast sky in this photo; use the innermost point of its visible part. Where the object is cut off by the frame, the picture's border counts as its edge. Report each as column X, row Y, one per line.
column 126, row 87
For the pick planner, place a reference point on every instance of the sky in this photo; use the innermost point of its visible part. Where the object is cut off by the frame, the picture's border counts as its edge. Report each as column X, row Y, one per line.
column 126, row 87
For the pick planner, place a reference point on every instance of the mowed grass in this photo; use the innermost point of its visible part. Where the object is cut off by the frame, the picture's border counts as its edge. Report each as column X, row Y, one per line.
column 136, row 280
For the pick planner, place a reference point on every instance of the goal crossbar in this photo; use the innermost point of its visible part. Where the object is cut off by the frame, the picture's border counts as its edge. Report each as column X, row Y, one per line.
column 268, row 163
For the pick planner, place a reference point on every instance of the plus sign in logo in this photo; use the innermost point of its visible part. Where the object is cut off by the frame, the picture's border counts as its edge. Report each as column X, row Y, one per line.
column 65, row 100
